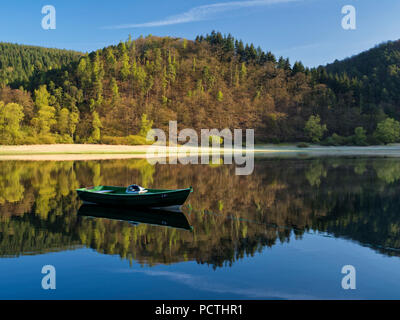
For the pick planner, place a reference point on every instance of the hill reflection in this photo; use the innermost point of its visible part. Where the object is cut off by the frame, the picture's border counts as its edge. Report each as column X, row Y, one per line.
column 232, row 216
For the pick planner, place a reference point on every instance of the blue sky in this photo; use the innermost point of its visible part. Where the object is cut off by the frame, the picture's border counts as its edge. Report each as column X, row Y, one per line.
column 305, row 30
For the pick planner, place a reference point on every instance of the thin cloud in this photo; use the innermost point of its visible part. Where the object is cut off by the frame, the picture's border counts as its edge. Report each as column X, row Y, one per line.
column 201, row 283
column 302, row 47
column 201, row 13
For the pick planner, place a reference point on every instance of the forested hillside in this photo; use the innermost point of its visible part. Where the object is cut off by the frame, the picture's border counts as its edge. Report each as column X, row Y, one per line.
column 115, row 94
column 18, row 63
column 377, row 70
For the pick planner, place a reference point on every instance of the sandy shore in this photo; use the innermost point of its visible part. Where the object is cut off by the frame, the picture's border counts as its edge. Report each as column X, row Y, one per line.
column 71, row 148
column 70, row 152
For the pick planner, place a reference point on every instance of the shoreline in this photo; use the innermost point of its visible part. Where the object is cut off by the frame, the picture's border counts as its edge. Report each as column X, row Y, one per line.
column 71, row 152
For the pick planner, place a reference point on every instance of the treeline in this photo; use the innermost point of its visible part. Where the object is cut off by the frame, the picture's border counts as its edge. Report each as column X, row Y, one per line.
column 112, row 95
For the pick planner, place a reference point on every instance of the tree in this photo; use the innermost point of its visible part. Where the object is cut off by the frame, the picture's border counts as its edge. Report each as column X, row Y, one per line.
column 243, row 72
column 220, row 96
column 145, row 125
column 45, row 114
column 83, row 72
column 314, row 130
column 115, row 91
column 298, row 67
column 208, row 78
column 96, row 128
column 388, row 131
column 73, row 121
column 360, row 136
column 63, row 121
column 97, row 77
column 125, row 71
column 66, row 124
column 111, row 61
column 171, row 69
column 158, row 77
column 11, row 116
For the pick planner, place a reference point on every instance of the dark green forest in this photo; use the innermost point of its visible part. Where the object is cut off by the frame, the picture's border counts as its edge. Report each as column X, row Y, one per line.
column 114, row 94
column 19, row 63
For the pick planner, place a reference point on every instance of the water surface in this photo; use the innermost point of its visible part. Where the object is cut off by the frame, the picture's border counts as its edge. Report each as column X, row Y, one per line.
column 285, row 232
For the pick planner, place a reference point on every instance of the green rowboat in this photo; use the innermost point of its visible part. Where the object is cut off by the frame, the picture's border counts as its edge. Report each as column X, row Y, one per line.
column 118, row 196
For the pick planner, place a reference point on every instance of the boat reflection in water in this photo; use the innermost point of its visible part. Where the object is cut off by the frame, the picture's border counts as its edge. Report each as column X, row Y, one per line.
column 167, row 217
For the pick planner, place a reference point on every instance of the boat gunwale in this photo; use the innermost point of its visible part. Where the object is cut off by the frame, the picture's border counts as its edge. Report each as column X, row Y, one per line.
column 149, row 193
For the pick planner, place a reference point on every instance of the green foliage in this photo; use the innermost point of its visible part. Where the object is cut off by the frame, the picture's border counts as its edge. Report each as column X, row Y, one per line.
column 303, row 145
column 375, row 74
column 65, row 138
column 63, row 121
column 131, row 140
column 169, row 78
column 334, row 140
column 360, row 136
column 137, row 140
column 337, row 140
column 388, row 131
column 110, row 60
column 19, row 63
column 115, row 91
column 66, row 124
column 45, row 117
column 11, row 116
column 145, row 126
column 220, row 96
column 125, row 70
column 314, row 130
column 96, row 128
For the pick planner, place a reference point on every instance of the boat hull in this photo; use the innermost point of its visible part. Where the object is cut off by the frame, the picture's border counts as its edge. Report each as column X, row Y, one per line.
column 147, row 200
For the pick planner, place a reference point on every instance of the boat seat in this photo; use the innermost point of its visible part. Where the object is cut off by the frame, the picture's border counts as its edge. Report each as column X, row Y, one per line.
column 135, row 189
column 138, row 192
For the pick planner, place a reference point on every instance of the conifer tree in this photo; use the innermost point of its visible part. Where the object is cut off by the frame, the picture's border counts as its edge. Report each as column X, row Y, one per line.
column 96, row 128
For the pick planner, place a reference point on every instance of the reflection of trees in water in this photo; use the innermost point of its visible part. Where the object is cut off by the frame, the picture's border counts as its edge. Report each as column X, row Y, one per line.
column 387, row 171
column 315, row 173
column 233, row 216
column 11, row 189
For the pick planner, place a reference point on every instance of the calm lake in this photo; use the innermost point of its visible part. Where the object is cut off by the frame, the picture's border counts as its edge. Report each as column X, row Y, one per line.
column 284, row 232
